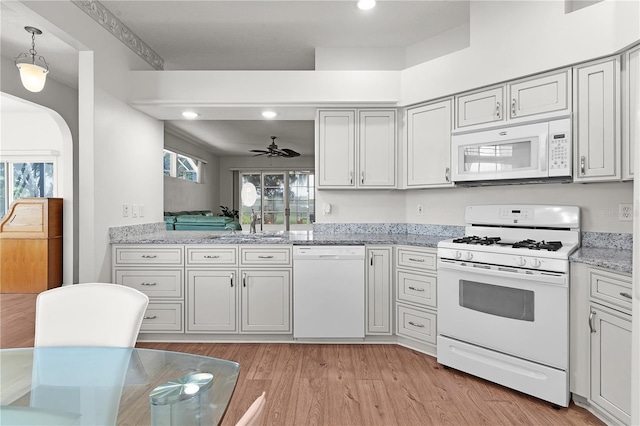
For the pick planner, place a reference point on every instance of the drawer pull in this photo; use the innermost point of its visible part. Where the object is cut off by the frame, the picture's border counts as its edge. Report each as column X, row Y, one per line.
column 627, row 295
column 151, row 317
column 265, row 257
column 416, row 325
column 208, row 256
column 416, row 289
column 149, row 256
column 413, row 259
column 148, row 283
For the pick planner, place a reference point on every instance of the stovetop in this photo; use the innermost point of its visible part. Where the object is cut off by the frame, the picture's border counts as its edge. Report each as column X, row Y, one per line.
column 524, row 244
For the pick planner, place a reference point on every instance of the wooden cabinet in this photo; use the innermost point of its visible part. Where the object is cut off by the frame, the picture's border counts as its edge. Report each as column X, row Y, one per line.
column 480, row 107
column 31, row 246
column 416, row 297
column 378, row 291
column 427, row 149
column 630, row 110
column 540, row 94
column 356, row 148
column 597, row 121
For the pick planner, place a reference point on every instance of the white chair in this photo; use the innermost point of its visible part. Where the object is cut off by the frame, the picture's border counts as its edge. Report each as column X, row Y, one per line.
column 253, row 415
column 92, row 314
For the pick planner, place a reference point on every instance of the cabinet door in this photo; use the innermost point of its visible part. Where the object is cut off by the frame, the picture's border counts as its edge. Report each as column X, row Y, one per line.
column 379, row 290
column 428, row 144
column 211, row 300
column 377, row 148
column 611, row 362
column 597, row 121
column 486, row 106
column 630, row 111
column 538, row 95
column 266, row 301
column 335, row 163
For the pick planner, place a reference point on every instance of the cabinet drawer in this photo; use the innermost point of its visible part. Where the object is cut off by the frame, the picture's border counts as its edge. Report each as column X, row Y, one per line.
column 212, row 256
column 415, row 258
column 416, row 288
column 163, row 317
column 152, row 282
column 610, row 287
column 416, row 324
column 265, row 255
column 148, row 255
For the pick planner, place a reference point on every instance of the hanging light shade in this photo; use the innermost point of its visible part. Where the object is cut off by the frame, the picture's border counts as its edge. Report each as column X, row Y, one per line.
column 33, row 68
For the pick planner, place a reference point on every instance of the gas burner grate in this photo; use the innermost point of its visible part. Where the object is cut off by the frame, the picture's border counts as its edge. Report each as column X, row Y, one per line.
column 483, row 241
column 538, row 245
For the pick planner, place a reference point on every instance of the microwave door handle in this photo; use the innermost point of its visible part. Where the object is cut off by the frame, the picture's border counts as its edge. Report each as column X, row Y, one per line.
column 544, row 154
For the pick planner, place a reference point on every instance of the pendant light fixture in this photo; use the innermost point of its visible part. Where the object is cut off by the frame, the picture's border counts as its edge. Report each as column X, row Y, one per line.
column 32, row 74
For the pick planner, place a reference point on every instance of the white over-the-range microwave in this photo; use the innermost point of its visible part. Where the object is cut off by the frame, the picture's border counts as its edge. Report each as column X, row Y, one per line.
column 532, row 152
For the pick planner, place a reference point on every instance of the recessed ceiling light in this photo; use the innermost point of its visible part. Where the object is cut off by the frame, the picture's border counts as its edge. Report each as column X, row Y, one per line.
column 190, row 115
column 268, row 114
column 366, row 4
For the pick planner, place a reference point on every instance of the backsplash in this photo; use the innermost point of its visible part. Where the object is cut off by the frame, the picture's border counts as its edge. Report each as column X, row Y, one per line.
column 607, row 240
column 388, row 228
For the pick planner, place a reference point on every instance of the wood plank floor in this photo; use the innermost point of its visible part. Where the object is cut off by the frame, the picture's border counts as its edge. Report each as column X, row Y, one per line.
column 336, row 385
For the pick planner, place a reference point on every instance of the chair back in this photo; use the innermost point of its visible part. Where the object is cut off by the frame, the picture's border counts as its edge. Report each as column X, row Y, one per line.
column 91, row 314
column 253, row 415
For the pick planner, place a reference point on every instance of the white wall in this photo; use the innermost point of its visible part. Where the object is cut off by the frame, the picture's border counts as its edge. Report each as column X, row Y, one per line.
column 180, row 194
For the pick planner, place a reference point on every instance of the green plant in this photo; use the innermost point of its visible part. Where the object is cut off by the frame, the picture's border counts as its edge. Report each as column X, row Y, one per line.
column 226, row 211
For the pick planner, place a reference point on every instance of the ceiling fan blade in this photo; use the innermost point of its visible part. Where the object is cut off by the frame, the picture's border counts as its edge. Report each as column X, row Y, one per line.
column 259, row 150
column 290, row 153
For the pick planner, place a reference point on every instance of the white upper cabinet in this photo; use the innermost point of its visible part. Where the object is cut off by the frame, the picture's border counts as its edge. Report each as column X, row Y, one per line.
column 630, row 110
column 485, row 106
column 597, row 121
column 541, row 94
column 356, row 148
column 427, row 149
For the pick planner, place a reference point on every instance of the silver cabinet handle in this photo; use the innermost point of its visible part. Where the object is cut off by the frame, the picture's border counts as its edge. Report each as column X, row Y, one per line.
column 416, row 325
column 416, row 289
column 149, row 256
column 209, row 256
column 231, row 278
column 582, row 161
column 244, row 279
column 362, row 177
column 371, row 259
column 627, row 295
column 148, row 283
column 513, row 107
column 416, row 260
column 447, row 174
column 592, row 316
column 498, row 109
column 151, row 317
column 350, row 178
column 265, row 257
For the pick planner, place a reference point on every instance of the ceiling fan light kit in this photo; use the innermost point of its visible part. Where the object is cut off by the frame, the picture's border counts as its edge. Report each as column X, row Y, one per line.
column 273, row 151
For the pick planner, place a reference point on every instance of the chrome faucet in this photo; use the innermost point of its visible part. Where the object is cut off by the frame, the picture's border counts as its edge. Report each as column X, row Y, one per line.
column 252, row 226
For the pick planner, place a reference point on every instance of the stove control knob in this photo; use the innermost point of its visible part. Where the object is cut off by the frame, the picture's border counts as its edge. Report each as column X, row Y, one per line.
column 535, row 262
column 458, row 255
column 520, row 261
column 468, row 256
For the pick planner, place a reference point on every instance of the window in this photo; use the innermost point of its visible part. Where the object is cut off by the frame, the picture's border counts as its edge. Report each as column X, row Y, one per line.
column 26, row 176
column 181, row 166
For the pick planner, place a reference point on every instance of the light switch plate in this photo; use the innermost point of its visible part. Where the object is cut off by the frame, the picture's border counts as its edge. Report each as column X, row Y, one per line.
column 125, row 210
column 134, row 210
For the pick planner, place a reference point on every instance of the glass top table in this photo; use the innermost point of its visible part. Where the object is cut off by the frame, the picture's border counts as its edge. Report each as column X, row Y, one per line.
column 91, row 386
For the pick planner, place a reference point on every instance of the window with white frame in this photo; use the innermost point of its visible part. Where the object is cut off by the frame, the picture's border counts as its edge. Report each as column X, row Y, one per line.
column 181, row 166
column 26, row 175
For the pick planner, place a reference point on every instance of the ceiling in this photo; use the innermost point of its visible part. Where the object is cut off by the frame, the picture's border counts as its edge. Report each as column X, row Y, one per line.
column 248, row 35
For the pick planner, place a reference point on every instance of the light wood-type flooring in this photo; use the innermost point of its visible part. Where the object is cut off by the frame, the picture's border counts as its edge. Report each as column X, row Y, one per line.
column 335, row 385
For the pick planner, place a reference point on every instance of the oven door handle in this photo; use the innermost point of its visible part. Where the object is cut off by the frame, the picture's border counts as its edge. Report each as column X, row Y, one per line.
column 501, row 272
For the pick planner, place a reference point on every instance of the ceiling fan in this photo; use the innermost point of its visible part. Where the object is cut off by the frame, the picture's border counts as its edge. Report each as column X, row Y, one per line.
column 273, row 151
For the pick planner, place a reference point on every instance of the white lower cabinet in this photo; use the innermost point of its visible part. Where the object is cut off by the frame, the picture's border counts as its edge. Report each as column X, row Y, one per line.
column 266, row 301
column 378, row 291
column 212, row 299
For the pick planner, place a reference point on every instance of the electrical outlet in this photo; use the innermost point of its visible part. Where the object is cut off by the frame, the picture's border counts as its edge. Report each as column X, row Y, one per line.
column 125, row 210
column 625, row 212
column 134, row 210
column 420, row 209
column 141, row 210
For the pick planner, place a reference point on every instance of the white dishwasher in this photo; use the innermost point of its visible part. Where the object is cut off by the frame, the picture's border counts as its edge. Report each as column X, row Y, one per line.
column 328, row 292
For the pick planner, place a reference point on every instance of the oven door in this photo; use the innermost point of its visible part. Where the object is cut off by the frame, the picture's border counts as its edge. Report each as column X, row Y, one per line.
column 514, row 311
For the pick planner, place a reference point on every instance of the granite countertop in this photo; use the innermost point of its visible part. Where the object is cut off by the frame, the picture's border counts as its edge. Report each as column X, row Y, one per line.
column 291, row 237
column 618, row 260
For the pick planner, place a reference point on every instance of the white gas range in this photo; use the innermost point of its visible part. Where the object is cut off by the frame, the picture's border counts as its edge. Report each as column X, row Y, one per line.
column 503, row 297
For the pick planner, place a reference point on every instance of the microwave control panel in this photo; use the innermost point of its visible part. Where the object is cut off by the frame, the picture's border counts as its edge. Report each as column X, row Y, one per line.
column 559, row 154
